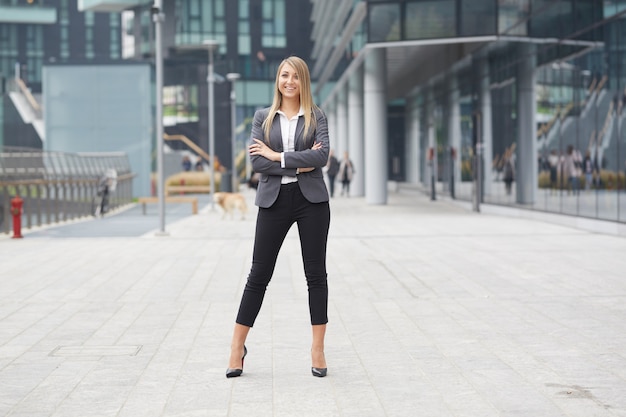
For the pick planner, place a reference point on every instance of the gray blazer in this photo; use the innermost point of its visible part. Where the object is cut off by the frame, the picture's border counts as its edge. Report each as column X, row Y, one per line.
column 311, row 183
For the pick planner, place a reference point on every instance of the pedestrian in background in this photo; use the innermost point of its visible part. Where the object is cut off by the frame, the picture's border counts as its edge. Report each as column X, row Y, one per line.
column 346, row 171
column 588, row 170
column 509, row 172
column 186, row 163
column 289, row 147
column 332, row 170
column 571, row 169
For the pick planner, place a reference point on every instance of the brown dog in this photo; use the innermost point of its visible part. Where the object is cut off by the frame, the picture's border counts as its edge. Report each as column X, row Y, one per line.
column 230, row 202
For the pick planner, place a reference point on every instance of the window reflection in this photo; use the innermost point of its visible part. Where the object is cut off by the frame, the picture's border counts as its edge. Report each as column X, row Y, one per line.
column 431, row 19
column 512, row 15
column 384, row 22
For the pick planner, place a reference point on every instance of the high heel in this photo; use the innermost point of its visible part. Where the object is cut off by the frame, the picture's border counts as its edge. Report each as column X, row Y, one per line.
column 319, row 372
column 235, row 372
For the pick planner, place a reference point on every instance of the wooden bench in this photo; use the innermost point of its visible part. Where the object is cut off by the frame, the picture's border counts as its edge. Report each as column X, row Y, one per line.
column 170, row 189
column 170, row 199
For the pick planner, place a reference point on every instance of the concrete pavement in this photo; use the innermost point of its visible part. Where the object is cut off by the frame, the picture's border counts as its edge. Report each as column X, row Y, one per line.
column 434, row 311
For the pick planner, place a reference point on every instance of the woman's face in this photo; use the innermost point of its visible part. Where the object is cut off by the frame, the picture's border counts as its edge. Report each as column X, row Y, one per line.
column 288, row 82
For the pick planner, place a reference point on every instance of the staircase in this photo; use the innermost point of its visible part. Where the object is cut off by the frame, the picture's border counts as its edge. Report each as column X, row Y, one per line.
column 27, row 106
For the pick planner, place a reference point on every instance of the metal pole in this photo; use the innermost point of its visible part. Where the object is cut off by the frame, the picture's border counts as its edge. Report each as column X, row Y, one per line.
column 232, row 77
column 211, row 45
column 158, row 18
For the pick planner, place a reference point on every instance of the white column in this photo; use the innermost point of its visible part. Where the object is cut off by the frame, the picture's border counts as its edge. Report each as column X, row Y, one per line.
column 423, row 138
column 413, row 153
column 431, row 166
column 487, row 125
column 356, row 142
column 375, row 124
column 454, row 127
column 341, row 138
column 332, row 123
column 526, row 151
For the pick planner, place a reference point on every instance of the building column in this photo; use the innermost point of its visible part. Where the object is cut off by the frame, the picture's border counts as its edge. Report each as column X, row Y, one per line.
column 375, row 112
column 413, row 151
column 431, row 140
column 341, row 137
column 526, row 149
column 331, row 114
column 454, row 127
column 424, row 140
column 487, row 125
column 356, row 143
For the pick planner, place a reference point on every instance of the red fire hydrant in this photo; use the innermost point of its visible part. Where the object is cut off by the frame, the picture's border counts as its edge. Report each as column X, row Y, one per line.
column 16, row 211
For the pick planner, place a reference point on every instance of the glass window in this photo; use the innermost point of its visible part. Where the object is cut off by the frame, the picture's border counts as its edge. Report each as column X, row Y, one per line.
column 199, row 20
column 274, row 24
column 512, row 15
column 431, row 19
column 551, row 18
column 115, row 43
column 478, row 18
column 384, row 22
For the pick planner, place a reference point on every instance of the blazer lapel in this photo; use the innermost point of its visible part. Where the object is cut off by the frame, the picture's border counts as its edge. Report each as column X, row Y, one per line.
column 276, row 136
column 298, row 139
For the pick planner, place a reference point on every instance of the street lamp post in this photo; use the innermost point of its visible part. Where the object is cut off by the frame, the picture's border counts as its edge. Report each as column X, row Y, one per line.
column 211, row 45
column 232, row 77
column 158, row 17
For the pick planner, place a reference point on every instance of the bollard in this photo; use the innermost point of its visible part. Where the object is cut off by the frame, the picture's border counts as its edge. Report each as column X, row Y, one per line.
column 16, row 211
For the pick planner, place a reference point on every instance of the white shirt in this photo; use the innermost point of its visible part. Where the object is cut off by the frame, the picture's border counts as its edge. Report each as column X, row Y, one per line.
column 288, row 132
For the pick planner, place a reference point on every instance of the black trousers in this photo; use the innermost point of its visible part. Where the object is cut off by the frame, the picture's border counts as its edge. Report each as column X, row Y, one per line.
column 272, row 225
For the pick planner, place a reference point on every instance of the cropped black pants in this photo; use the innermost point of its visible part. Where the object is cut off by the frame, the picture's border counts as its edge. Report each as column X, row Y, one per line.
column 272, row 225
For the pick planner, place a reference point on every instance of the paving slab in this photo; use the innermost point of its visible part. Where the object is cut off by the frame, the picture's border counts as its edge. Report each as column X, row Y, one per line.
column 434, row 310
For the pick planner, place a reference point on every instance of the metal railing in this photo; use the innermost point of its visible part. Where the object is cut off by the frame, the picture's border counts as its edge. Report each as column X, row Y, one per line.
column 57, row 186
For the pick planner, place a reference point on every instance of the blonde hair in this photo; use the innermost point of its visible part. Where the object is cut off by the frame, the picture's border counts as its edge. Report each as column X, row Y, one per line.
column 306, row 99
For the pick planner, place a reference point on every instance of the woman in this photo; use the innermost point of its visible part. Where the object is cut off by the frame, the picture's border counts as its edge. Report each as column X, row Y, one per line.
column 346, row 171
column 289, row 148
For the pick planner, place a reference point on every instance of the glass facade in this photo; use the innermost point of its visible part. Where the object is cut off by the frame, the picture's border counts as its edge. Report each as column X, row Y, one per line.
column 397, row 20
column 539, row 112
column 274, row 34
column 73, row 37
column 199, row 20
column 580, row 100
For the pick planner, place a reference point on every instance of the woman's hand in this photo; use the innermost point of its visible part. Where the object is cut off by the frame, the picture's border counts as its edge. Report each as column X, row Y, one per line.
column 260, row 148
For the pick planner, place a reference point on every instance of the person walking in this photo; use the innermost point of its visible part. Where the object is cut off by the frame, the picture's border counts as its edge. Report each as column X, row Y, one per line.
column 346, row 171
column 588, row 170
column 509, row 172
column 289, row 148
column 571, row 170
column 332, row 169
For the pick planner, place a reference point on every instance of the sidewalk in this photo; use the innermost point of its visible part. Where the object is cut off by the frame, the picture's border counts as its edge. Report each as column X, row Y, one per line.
column 434, row 311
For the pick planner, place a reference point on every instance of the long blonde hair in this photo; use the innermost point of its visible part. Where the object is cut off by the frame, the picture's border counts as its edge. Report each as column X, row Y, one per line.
column 306, row 98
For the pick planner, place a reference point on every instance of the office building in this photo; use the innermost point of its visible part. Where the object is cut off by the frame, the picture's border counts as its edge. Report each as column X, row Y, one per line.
column 34, row 33
column 451, row 96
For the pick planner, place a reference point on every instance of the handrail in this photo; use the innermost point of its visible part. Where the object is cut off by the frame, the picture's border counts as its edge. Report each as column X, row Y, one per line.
column 605, row 127
column 29, row 96
column 601, row 83
column 189, row 143
column 592, row 86
column 562, row 114
column 51, row 201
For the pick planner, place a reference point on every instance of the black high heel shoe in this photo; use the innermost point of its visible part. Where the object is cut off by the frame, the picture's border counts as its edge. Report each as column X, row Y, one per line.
column 235, row 372
column 319, row 372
